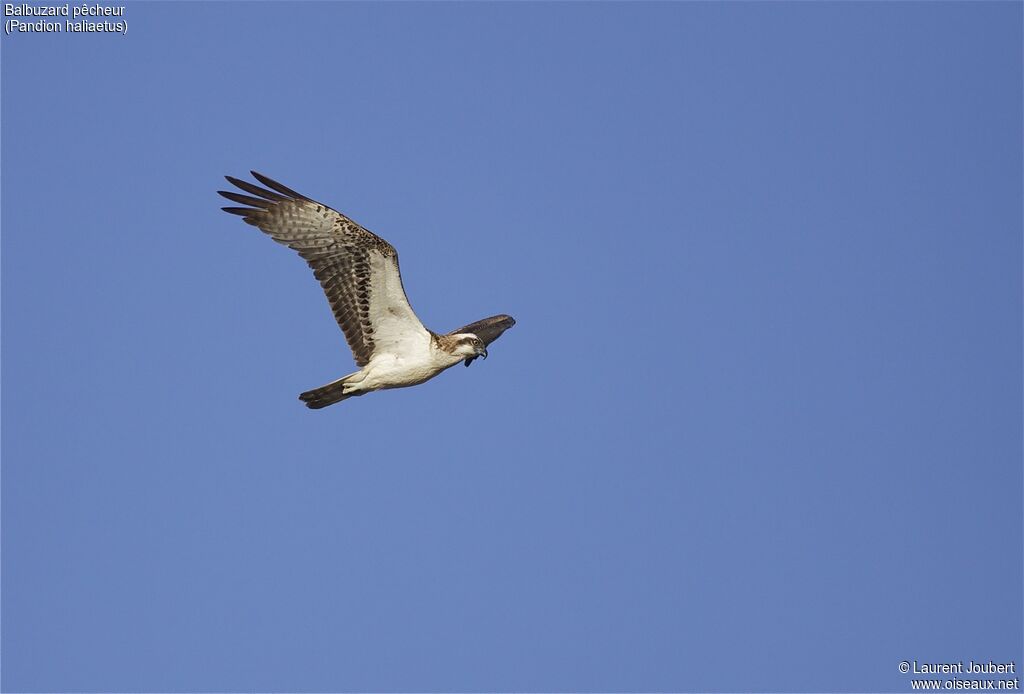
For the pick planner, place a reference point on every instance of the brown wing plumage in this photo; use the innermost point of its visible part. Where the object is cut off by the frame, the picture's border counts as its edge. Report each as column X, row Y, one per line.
column 340, row 252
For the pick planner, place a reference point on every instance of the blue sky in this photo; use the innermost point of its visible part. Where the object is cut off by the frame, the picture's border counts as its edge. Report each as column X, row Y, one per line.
column 758, row 426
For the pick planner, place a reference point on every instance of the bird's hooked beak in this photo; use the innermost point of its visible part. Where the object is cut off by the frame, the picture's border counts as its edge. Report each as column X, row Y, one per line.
column 483, row 354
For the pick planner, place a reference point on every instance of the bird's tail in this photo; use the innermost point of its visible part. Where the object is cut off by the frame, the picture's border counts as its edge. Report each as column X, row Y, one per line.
column 328, row 394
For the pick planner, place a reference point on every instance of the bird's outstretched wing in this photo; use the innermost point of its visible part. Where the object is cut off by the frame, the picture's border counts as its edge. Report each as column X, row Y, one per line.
column 357, row 269
column 487, row 329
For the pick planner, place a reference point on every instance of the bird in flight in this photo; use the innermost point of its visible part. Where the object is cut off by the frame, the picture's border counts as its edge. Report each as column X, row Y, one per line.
column 359, row 273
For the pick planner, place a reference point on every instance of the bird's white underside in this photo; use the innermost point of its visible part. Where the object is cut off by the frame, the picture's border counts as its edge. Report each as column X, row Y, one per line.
column 404, row 353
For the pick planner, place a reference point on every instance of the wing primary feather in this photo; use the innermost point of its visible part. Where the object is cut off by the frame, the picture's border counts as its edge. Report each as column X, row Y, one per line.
column 284, row 190
column 255, row 189
column 246, row 199
column 240, row 211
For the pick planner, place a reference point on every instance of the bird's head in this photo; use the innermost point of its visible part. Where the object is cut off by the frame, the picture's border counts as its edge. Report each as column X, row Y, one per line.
column 468, row 346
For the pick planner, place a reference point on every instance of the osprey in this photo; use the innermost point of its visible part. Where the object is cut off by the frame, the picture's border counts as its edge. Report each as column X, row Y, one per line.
column 359, row 273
